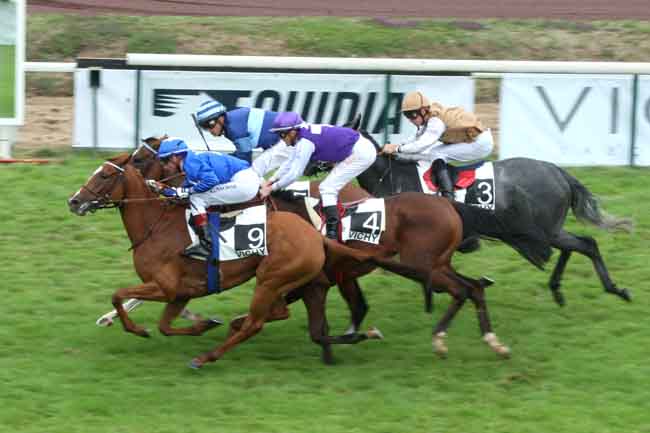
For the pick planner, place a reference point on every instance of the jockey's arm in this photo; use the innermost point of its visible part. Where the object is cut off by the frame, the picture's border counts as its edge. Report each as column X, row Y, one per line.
column 420, row 146
column 202, row 175
column 293, row 168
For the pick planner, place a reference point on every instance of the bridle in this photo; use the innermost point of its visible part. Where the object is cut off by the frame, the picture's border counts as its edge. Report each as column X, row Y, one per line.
column 104, row 201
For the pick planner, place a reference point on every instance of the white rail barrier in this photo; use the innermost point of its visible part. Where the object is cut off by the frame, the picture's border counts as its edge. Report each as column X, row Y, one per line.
column 383, row 65
column 63, row 67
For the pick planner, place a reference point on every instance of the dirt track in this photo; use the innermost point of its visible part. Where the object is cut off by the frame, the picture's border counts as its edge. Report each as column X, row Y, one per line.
column 556, row 9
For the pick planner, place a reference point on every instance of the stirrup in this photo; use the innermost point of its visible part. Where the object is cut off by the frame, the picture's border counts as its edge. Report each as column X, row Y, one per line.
column 196, row 251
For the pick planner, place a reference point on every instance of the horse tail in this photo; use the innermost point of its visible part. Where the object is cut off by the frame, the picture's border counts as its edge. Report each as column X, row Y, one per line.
column 586, row 207
column 508, row 226
column 336, row 252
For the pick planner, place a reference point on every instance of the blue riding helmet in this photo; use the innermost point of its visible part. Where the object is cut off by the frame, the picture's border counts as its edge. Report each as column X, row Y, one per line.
column 286, row 121
column 209, row 110
column 172, row 147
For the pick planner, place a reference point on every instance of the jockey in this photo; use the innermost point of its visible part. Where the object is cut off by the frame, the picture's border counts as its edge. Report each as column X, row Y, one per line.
column 351, row 153
column 247, row 128
column 210, row 179
column 443, row 135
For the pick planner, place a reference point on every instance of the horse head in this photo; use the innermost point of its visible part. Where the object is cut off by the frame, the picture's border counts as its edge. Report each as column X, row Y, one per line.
column 114, row 179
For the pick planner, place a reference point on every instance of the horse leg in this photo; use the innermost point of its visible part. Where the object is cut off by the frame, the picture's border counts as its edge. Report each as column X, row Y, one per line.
column 173, row 310
column 149, row 291
column 132, row 304
column 442, row 278
column 279, row 311
column 263, row 299
column 315, row 299
column 107, row 319
column 556, row 277
column 587, row 246
column 353, row 296
column 477, row 295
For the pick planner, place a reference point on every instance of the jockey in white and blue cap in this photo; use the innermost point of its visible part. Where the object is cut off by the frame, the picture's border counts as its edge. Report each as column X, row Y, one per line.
column 349, row 150
column 210, row 179
column 247, row 128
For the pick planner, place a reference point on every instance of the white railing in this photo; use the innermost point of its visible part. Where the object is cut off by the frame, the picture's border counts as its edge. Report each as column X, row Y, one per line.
column 383, row 64
column 65, row 67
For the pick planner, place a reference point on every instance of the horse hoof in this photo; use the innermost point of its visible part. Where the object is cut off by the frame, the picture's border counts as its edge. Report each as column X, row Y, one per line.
column 195, row 364
column 143, row 333
column 216, row 320
column 558, row 297
column 104, row 322
column 374, row 334
column 485, row 281
column 442, row 353
column 625, row 294
column 503, row 352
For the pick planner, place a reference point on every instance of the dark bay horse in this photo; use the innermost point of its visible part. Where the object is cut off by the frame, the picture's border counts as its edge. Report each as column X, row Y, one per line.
column 425, row 231
column 157, row 231
column 541, row 192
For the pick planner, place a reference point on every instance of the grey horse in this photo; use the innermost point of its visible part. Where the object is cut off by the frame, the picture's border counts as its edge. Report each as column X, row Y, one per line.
column 536, row 190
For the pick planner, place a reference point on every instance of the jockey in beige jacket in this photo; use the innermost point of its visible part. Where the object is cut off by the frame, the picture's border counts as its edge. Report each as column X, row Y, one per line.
column 443, row 135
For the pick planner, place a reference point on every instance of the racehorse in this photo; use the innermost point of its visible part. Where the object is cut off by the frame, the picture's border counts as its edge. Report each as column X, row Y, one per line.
column 157, row 231
column 542, row 192
column 348, row 287
column 425, row 231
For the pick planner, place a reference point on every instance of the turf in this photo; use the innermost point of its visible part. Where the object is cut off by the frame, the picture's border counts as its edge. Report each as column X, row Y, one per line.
column 581, row 368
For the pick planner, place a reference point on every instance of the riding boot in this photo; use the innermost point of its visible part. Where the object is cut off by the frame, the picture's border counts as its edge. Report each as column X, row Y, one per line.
column 445, row 185
column 203, row 248
column 331, row 222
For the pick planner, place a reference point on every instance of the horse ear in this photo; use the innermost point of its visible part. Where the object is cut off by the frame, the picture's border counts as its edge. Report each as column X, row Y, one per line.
column 356, row 122
column 154, row 141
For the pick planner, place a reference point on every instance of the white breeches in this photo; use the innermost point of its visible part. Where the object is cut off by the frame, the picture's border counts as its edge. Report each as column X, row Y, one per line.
column 362, row 156
column 242, row 187
column 478, row 149
column 272, row 158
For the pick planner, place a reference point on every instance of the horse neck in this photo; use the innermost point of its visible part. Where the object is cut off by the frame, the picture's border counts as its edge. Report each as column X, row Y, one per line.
column 140, row 215
column 369, row 179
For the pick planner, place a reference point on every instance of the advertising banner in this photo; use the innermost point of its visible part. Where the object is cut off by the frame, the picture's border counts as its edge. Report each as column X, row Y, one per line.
column 576, row 120
column 167, row 98
column 641, row 148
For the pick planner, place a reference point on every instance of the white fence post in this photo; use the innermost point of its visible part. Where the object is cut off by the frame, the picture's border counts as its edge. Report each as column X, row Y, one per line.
column 7, row 139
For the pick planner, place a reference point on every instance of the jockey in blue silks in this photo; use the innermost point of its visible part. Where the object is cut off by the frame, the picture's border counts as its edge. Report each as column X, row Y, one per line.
column 349, row 150
column 210, row 179
column 247, row 128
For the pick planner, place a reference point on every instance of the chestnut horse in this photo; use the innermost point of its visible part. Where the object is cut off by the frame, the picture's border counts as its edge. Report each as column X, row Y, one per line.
column 350, row 290
column 157, row 231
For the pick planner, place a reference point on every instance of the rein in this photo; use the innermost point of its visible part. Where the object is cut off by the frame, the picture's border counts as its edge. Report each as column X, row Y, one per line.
column 388, row 171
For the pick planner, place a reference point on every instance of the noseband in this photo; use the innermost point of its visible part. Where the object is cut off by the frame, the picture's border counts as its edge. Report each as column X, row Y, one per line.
column 104, row 201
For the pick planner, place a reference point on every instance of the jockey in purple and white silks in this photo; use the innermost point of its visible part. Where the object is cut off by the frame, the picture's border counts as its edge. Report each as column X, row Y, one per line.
column 351, row 152
column 247, row 128
column 210, row 179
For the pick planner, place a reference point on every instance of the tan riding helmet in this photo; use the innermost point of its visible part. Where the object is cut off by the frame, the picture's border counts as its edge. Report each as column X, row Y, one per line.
column 414, row 101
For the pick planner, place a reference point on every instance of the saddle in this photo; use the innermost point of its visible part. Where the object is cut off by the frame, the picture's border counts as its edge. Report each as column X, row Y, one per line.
column 461, row 176
column 226, row 208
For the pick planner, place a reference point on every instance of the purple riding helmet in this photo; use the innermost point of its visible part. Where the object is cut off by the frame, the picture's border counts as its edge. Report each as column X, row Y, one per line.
column 286, row 121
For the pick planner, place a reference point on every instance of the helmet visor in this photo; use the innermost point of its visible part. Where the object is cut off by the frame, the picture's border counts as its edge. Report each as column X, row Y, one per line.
column 411, row 114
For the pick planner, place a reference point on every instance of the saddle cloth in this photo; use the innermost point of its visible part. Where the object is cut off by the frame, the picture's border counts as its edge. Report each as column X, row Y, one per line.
column 474, row 184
